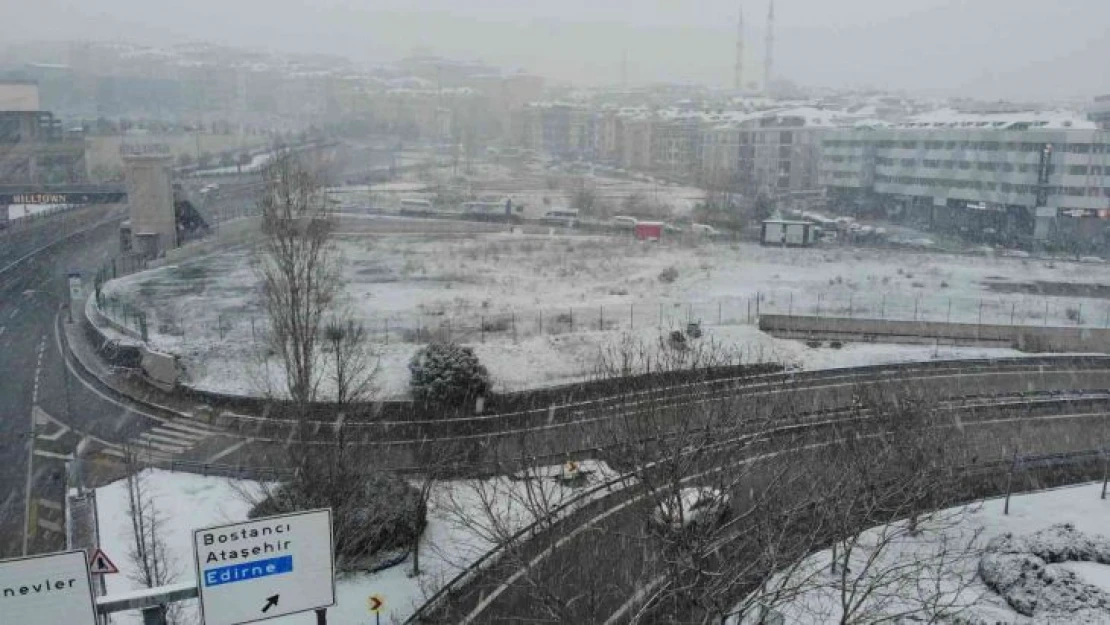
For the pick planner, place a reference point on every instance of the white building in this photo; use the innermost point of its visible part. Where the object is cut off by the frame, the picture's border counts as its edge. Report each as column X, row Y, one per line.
column 1041, row 174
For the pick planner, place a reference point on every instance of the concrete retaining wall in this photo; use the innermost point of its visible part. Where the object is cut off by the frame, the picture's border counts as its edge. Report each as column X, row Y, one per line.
column 1025, row 338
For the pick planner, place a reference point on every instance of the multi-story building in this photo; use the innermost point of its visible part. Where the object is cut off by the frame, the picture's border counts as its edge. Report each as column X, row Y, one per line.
column 1006, row 175
column 1100, row 112
column 675, row 141
column 773, row 153
column 637, row 141
column 557, row 128
column 34, row 147
column 19, row 95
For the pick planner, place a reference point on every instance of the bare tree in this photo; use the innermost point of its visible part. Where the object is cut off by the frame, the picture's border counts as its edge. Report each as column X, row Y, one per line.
column 298, row 271
column 153, row 564
column 889, row 479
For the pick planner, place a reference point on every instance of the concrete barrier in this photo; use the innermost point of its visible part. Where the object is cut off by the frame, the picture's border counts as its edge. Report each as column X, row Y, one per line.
column 161, row 369
column 1025, row 338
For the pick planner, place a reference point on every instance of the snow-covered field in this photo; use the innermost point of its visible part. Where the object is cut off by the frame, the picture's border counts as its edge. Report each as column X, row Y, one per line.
column 549, row 304
column 459, row 531
column 954, row 547
column 532, row 187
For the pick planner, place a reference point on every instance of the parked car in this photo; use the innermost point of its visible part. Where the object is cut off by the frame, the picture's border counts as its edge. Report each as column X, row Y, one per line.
column 693, row 506
column 704, row 230
column 624, row 222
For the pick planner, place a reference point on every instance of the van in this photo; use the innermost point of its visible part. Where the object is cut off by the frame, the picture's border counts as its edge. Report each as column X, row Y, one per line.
column 704, row 230
column 562, row 217
column 624, row 222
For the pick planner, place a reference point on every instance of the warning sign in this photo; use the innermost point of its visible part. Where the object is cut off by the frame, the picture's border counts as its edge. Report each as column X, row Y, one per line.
column 100, row 564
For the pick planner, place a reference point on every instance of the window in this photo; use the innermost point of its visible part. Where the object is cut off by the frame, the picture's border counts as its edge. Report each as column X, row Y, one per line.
column 908, row 162
column 1077, row 170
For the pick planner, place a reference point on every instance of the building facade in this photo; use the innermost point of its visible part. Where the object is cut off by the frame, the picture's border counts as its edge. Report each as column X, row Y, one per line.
column 35, row 149
column 1009, row 176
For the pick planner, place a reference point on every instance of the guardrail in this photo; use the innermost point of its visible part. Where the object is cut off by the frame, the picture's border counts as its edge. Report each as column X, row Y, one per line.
column 558, row 515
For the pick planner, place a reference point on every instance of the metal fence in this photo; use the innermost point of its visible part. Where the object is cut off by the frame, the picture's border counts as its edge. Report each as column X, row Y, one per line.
column 477, row 325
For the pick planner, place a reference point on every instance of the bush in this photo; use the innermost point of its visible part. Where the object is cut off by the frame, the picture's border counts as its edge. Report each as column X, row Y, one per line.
column 668, row 275
column 447, row 374
column 381, row 513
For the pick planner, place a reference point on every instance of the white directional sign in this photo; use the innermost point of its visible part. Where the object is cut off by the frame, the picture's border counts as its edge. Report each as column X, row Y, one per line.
column 265, row 568
column 47, row 590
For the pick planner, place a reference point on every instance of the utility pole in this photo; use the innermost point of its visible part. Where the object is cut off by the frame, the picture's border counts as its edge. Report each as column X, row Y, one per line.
column 738, row 69
column 768, row 59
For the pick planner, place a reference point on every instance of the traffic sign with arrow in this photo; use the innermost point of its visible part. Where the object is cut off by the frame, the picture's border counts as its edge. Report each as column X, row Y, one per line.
column 271, row 602
column 375, row 603
column 101, row 564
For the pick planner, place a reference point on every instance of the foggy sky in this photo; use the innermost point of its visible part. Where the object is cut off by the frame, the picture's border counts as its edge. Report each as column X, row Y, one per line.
column 981, row 48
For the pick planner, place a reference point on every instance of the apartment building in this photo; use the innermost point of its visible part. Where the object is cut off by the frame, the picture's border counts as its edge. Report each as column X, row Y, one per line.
column 773, row 153
column 1008, row 175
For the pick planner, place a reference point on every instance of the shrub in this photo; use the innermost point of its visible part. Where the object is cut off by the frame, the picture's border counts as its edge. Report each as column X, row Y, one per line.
column 836, row 344
column 447, row 374
column 668, row 275
column 381, row 512
column 813, row 344
column 1072, row 314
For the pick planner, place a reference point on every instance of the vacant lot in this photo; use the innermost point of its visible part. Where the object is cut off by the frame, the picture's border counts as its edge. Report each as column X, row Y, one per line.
column 541, row 308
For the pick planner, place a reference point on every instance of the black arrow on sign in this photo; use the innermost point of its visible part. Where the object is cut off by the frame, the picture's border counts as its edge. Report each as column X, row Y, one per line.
column 271, row 602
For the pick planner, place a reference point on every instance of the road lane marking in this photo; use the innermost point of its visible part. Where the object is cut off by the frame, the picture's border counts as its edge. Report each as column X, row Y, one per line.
column 15, row 311
column 53, row 455
column 230, row 450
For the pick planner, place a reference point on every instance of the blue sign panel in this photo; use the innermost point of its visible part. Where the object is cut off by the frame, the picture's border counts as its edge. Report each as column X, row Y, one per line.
column 248, row 571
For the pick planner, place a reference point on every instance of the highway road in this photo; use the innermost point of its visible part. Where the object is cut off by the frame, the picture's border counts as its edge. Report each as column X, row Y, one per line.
column 600, row 555
column 40, row 394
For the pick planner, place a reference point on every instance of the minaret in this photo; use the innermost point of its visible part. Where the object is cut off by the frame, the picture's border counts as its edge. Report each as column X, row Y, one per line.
column 768, row 60
column 738, row 70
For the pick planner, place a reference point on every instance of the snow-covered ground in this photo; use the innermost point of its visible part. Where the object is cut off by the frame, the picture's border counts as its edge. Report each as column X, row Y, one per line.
column 459, row 531
column 532, row 186
column 954, row 546
column 550, row 304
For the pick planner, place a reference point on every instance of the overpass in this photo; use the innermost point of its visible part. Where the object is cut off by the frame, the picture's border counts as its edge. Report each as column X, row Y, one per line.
column 62, row 194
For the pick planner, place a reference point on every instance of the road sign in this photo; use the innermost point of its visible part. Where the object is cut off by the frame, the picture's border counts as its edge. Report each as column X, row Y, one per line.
column 47, row 590
column 265, row 568
column 375, row 603
column 75, row 290
column 101, row 564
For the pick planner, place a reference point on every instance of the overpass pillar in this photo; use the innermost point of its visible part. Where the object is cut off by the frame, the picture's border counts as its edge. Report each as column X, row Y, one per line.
column 149, row 175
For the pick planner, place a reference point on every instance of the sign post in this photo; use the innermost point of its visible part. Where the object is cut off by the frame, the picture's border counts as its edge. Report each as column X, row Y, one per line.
column 376, row 603
column 53, row 589
column 265, row 568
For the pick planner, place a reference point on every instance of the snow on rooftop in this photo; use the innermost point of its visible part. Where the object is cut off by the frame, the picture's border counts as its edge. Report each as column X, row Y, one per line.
column 950, row 118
